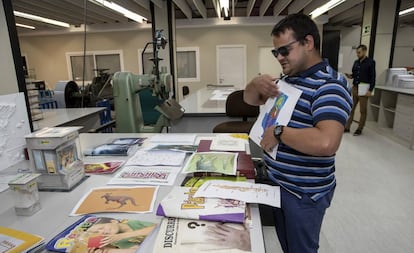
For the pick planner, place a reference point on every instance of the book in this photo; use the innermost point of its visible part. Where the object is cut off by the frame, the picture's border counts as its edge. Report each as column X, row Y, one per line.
column 118, row 147
column 103, row 167
column 185, row 235
column 180, row 203
column 88, row 232
column 17, row 241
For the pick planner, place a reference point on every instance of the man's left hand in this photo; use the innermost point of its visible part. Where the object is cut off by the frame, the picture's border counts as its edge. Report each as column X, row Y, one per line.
column 369, row 94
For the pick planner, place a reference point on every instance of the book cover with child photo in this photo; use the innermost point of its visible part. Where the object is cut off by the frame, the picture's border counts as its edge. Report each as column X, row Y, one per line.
column 101, row 234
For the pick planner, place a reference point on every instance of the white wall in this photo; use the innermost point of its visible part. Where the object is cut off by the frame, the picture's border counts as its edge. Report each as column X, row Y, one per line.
column 404, row 48
column 350, row 39
column 8, row 81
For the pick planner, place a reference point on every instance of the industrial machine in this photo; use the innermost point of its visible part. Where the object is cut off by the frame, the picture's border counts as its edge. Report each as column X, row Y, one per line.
column 128, row 104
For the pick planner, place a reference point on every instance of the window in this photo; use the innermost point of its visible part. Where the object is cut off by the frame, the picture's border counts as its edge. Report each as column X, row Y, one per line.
column 188, row 63
column 94, row 60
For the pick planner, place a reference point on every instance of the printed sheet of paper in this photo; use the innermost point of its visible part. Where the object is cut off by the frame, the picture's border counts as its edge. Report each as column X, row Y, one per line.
column 243, row 191
column 217, row 162
column 276, row 111
column 225, row 142
column 119, row 199
column 146, row 175
column 156, row 158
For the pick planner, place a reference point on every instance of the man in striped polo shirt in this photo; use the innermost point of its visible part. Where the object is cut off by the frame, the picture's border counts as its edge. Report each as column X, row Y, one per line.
column 305, row 161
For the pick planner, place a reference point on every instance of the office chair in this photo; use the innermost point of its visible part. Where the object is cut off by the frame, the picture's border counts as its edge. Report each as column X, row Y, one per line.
column 236, row 107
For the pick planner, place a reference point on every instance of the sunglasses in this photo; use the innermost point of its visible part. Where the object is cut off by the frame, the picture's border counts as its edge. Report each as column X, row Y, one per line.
column 283, row 50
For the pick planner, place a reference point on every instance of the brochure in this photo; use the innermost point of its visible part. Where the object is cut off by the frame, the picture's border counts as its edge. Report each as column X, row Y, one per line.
column 159, row 175
column 103, row 167
column 217, row 162
column 180, row 203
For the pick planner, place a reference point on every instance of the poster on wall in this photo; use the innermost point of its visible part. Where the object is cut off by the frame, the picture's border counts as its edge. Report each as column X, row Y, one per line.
column 14, row 125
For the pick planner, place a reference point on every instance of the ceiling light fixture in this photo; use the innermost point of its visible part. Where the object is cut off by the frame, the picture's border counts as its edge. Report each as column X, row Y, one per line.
column 115, row 7
column 406, row 11
column 326, row 7
column 225, row 5
column 40, row 19
column 25, row 26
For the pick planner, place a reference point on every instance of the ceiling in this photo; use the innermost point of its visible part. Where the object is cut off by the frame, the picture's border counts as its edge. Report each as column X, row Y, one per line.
column 73, row 12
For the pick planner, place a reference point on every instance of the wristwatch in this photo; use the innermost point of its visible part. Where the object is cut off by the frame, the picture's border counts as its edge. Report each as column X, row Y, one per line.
column 277, row 132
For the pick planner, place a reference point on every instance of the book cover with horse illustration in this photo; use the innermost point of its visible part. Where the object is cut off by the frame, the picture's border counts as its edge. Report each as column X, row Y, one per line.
column 138, row 199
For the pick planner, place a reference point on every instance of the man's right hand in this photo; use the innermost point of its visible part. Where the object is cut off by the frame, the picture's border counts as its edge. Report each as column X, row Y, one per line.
column 261, row 88
column 348, row 75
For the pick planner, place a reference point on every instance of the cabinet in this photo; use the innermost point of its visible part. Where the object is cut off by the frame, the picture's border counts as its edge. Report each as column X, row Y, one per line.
column 33, row 95
column 392, row 109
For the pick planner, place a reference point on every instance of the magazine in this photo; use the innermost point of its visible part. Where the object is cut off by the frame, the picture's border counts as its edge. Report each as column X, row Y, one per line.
column 102, row 167
column 184, row 235
column 17, row 241
column 180, row 203
column 88, row 233
column 118, row 147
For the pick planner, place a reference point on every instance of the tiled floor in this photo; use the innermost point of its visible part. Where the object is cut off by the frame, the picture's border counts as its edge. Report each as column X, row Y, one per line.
column 373, row 207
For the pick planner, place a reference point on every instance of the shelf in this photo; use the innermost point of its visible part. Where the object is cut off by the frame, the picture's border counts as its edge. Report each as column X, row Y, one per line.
column 375, row 106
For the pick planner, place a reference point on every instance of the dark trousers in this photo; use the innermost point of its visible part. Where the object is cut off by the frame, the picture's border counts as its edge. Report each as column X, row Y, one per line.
column 298, row 223
column 363, row 104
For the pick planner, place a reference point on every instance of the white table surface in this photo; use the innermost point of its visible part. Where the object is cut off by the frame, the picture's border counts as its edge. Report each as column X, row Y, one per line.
column 69, row 117
column 53, row 217
column 207, row 100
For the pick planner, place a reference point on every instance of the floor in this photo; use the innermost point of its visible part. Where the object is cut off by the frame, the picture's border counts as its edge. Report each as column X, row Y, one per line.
column 373, row 207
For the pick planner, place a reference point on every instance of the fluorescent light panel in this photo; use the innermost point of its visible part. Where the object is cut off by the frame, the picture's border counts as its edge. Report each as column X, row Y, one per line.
column 115, row 7
column 40, row 19
column 406, row 11
column 25, row 26
column 326, row 7
column 224, row 4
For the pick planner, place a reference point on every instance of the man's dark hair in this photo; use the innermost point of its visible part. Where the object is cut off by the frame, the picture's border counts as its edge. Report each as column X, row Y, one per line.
column 301, row 25
column 363, row 47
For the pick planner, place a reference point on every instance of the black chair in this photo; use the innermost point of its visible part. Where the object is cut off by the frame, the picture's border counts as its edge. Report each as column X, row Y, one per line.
column 236, row 107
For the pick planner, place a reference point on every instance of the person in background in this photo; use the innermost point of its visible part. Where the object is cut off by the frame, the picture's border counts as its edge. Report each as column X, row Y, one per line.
column 363, row 72
column 304, row 165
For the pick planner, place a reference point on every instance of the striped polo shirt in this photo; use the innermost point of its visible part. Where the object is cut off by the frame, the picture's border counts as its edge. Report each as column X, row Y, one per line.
column 325, row 96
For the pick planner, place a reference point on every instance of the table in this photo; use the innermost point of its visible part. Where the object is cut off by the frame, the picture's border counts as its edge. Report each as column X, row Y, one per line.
column 210, row 99
column 87, row 117
column 53, row 216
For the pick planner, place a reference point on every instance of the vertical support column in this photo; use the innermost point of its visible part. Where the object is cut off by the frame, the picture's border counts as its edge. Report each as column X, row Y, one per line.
column 378, row 33
column 164, row 18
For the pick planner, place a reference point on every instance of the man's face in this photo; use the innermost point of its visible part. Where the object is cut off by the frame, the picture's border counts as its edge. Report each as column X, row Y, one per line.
column 361, row 53
column 295, row 61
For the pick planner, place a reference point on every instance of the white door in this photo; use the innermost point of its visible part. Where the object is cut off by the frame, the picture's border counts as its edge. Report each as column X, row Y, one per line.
column 268, row 64
column 231, row 65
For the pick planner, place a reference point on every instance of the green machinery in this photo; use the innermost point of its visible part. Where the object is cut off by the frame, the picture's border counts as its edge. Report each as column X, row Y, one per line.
column 129, row 118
